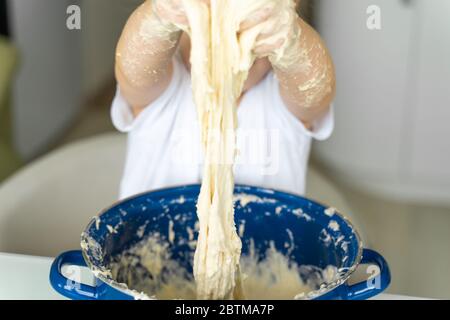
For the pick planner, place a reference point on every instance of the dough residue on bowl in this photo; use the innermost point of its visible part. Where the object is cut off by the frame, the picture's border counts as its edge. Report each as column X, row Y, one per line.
column 149, row 268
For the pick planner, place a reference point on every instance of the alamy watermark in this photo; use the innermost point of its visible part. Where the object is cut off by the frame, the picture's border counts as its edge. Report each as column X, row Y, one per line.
column 374, row 17
column 374, row 280
column 73, row 21
column 256, row 148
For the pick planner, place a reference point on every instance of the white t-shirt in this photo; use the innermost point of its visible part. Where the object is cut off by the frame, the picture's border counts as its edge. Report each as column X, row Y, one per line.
column 164, row 147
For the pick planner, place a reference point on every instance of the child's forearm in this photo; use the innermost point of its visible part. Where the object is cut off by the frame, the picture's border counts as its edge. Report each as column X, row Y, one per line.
column 307, row 77
column 143, row 57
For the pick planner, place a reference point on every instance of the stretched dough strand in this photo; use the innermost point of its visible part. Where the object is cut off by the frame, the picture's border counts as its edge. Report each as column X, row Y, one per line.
column 220, row 59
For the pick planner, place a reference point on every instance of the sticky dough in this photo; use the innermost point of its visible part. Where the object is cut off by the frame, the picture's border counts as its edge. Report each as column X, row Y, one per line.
column 220, row 59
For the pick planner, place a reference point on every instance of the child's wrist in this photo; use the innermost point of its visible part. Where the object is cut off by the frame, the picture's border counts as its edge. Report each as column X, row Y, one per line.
column 165, row 25
column 149, row 28
column 290, row 56
column 162, row 27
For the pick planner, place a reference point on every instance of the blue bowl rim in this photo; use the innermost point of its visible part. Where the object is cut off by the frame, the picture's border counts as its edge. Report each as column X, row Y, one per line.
column 311, row 295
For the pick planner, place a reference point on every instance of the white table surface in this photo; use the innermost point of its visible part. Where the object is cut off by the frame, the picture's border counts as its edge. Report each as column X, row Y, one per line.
column 27, row 278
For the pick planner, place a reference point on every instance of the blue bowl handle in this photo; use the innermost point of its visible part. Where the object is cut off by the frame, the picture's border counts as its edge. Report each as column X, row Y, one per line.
column 373, row 286
column 68, row 287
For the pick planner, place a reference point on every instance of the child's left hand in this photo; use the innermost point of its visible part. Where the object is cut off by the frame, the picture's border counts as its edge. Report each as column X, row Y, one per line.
column 276, row 22
column 300, row 59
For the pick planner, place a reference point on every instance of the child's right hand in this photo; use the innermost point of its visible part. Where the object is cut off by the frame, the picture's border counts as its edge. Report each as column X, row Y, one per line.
column 173, row 11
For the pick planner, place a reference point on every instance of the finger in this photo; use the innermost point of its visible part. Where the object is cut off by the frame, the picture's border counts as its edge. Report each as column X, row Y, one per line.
column 266, row 49
column 269, row 32
column 256, row 18
column 180, row 19
column 173, row 17
column 171, row 11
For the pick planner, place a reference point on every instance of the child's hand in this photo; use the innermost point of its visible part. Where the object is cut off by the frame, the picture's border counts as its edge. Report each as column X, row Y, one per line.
column 277, row 24
column 173, row 11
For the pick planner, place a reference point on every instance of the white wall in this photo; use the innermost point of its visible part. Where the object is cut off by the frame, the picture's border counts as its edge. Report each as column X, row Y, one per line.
column 393, row 97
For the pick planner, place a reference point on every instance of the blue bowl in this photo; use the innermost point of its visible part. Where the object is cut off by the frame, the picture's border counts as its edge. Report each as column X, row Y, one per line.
column 322, row 237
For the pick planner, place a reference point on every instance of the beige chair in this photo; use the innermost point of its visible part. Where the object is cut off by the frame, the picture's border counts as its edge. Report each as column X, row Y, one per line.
column 45, row 207
column 9, row 161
